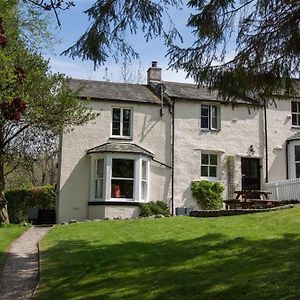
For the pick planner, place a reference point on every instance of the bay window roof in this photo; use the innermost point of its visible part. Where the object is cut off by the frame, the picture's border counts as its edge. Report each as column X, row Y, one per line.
column 120, row 147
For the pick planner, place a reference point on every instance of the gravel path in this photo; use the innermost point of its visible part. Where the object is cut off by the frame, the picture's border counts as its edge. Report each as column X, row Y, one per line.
column 20, row 275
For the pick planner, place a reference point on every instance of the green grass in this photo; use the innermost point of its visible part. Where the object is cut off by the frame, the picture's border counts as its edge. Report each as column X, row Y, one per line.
column 8, row 233
column 240, row 257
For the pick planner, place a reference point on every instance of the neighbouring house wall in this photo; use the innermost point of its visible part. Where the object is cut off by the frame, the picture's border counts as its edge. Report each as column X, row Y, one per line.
column 150, row 131
column 279, row 129
column 240, row 127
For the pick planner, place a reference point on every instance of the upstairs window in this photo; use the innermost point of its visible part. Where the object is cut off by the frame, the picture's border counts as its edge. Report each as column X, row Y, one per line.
column 209, row 165
column 295, row 113
column 209, row 117
column 121, row 122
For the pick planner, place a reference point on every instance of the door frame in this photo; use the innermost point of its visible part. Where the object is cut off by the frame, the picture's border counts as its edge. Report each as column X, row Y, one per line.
column 258, row 182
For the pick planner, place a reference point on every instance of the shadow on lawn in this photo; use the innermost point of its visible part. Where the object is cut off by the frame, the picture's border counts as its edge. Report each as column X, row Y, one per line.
column 213, row 266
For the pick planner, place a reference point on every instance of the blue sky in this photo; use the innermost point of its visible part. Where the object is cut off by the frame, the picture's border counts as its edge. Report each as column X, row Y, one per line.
column 75, row 22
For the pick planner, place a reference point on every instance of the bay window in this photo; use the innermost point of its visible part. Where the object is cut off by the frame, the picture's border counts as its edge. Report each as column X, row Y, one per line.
column 119, row 177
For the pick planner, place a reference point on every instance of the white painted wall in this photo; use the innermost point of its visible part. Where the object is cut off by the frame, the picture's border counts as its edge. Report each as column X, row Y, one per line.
column 240, row 127
column 150, row 130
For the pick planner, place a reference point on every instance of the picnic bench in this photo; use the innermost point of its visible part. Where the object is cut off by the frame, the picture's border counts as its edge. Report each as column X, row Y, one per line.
column 247, row 199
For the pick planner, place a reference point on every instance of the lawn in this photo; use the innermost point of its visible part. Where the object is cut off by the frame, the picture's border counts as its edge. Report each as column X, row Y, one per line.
column 240, row 257
column 8, row 233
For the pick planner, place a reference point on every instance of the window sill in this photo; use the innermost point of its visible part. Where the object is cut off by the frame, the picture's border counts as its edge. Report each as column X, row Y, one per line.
column 295, row 126
column 209, row 130
column 113, row 202
column 114, row 137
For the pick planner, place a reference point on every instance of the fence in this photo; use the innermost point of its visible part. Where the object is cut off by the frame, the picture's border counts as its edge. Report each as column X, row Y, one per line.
column 285, row 189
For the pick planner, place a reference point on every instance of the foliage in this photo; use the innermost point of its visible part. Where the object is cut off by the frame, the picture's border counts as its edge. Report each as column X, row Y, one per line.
column 35, row 104
column 244, row 49
column 19, row 201
column 241, row 257
column 154, row 208
column 112, row 19
column 208, row 194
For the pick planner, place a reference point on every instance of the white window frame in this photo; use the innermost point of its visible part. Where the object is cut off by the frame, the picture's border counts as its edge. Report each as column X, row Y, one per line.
column 210, row 178
column 210, row 117
column 297, row 114
column 121, row 122
column 96, row 178
column 137, row 184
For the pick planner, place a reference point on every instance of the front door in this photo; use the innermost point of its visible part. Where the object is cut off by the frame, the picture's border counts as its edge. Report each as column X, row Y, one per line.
column 250, row 174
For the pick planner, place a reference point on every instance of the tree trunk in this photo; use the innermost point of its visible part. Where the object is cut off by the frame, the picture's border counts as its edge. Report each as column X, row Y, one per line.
column 4, row 219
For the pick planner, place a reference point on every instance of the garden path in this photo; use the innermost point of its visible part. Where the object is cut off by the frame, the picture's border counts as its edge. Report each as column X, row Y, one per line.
column 20, row 275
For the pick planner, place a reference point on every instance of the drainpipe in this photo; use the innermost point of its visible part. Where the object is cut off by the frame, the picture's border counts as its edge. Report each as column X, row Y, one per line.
column 173, row 158
column 286, row 159
column 266, row 141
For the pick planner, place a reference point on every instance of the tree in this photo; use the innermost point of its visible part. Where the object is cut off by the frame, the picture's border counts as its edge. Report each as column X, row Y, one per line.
column 243, row 48
column 34, row 103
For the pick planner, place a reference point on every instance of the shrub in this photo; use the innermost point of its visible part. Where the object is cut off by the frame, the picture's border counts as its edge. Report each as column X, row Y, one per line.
column 19, row 201
column 208, row 194
column 154, row 208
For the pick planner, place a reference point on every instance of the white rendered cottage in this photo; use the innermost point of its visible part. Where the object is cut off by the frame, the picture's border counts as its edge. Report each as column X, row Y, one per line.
column 151, row 141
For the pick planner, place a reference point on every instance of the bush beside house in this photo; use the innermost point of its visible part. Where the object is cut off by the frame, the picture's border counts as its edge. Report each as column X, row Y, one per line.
column 154, row 208
column 20, row 200
column 208, row 194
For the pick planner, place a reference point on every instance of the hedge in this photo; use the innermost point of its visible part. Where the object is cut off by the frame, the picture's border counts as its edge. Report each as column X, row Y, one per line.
column 19, row 201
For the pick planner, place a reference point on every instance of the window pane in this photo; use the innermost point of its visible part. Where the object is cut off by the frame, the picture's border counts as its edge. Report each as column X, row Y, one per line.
column 204, row 159
column 126, row 128
column 126, row 115
column 116, row 119
column 298, row 120
column 204, row 171
column 99, row 168
column 126, row 122
column 294, row 106
column 298, row 104
column 214, row 123
column 212, row 171
column 123, row 168
column 99, row 188
column 144, row 170
column 214, row 111
column 121, row 188
column 204, row 116
column 294, row 119
column 204, row 122
column 204, row 110
column 213, row 159
column 144, row 190
column 297, row 153
column 298, row 170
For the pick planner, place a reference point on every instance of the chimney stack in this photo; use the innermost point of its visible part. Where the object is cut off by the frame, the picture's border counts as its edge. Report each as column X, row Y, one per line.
column 154, row 73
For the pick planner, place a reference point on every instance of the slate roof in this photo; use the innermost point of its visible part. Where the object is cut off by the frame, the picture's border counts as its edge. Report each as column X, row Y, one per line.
column 295, row 136
column 113, row 91
column 189, row 91
column 120, row 147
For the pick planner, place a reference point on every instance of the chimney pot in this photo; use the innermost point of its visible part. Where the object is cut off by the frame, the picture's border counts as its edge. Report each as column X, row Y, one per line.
column 154, row 64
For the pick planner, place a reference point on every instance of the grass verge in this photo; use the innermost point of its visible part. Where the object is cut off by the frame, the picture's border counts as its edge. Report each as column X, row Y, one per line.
column 241, row 257
column 8, row 233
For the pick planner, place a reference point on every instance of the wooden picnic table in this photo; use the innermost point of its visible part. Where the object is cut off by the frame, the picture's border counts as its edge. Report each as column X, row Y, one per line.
column 251, row 199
